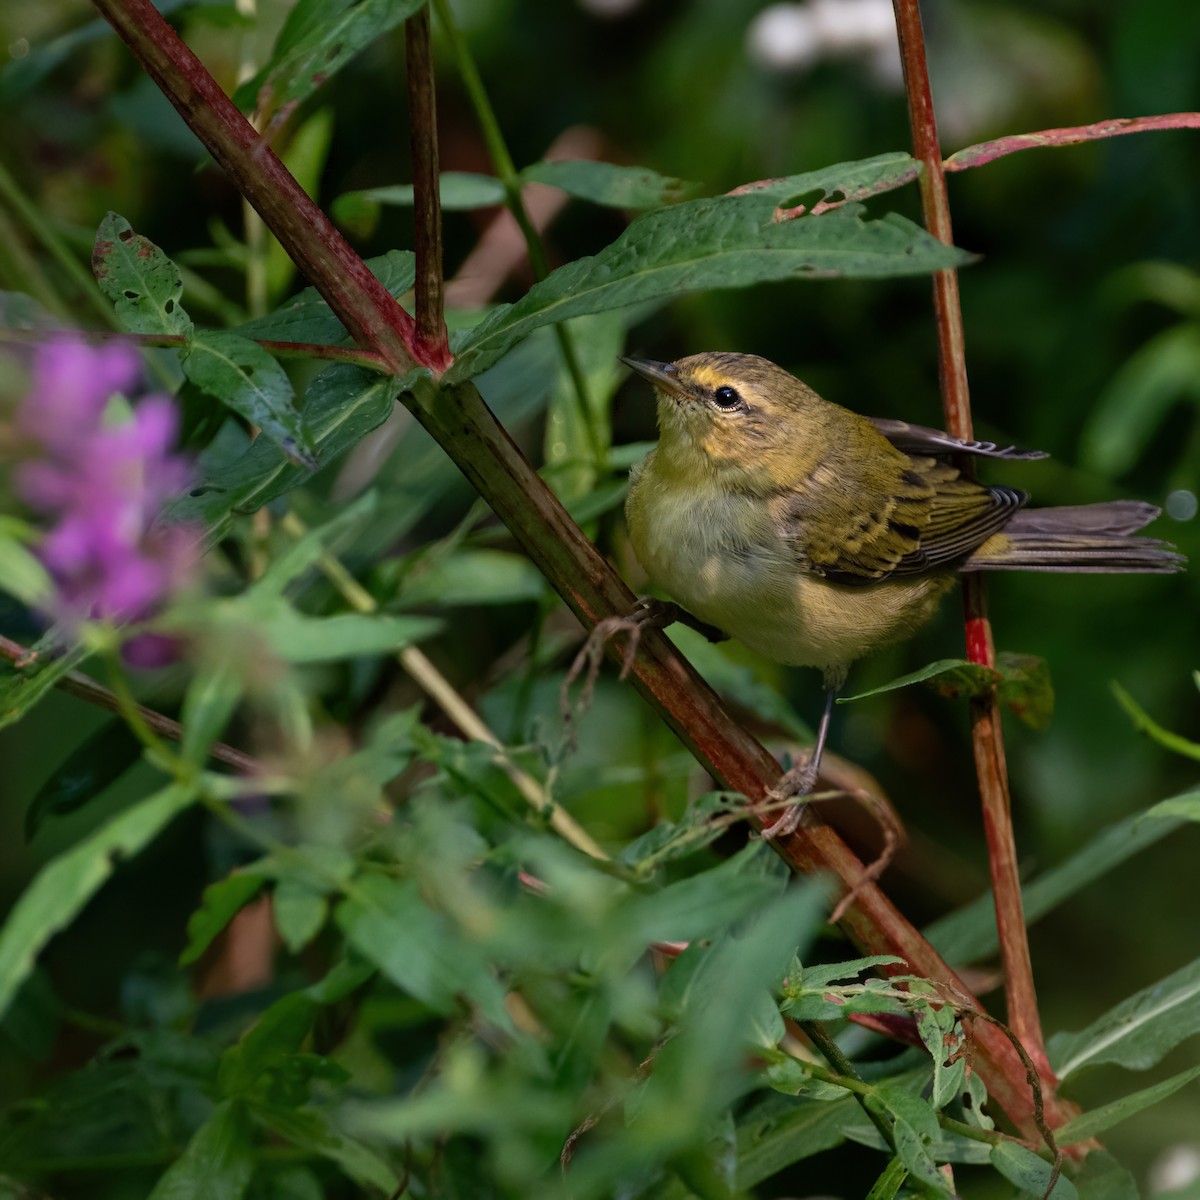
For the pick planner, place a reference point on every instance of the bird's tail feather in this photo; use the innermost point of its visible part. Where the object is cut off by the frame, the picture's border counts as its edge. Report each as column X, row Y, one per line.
column 1082, row 538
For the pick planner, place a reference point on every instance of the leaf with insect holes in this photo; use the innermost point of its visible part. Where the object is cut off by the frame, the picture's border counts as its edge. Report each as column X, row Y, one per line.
column 245, row 378
column 141, row 281
column 720, row 242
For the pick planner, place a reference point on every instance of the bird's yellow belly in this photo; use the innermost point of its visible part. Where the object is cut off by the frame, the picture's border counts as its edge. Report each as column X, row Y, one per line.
column 725, row 564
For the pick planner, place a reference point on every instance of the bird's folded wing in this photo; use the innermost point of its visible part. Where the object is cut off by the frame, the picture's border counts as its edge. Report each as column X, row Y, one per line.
column 919, row 439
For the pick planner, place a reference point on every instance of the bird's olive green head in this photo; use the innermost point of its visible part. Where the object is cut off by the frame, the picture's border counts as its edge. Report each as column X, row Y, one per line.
column 731, row 412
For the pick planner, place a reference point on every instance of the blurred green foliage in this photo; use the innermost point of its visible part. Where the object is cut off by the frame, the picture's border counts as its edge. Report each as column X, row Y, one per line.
column 398, row 871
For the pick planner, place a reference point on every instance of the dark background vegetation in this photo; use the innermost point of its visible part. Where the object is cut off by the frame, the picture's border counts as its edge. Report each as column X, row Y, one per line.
column 1073, row 343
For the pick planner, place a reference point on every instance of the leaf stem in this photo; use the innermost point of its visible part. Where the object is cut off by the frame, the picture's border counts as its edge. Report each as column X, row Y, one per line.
column 427, row 204
column 986, row 731
column 508, row 175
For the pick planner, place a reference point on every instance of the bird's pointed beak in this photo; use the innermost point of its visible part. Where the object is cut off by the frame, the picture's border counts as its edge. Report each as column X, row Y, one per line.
column 662, row 375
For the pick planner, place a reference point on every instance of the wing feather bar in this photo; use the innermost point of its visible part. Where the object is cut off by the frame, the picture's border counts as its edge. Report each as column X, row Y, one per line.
column 919, row 439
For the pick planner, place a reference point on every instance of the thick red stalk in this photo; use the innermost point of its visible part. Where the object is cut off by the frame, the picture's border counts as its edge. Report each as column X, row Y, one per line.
column 986, row 733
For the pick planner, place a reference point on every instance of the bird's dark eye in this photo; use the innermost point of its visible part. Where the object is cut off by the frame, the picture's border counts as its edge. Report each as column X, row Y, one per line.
column 727, row 397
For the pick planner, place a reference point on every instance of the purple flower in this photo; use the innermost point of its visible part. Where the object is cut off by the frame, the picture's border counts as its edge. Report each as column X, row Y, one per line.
column 104, row 483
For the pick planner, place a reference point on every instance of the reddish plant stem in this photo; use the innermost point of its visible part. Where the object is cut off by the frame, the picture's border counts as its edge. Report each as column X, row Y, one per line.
column 84, row 687
column 986, row 733
column 427, row 202
column 487, row 456
column 371, row 315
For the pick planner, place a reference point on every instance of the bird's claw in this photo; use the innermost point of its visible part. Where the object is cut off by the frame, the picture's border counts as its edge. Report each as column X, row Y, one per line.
column 795, row 784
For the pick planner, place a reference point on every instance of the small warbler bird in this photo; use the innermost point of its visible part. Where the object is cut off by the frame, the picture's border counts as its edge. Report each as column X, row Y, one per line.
column 815, row 535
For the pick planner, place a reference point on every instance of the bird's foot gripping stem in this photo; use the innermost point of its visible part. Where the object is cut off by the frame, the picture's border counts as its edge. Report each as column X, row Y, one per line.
column 794, row 785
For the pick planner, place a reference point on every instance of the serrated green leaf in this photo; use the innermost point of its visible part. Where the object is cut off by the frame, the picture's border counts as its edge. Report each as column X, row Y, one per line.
column 608, row 184
column 245, row 378
column 1144, row 723
column 97, row 762
column 142, row 282
column 1098, row 1120
column 216, row 1164
column 299, row 913
column 66, row 883
column 343, row 405
column 21, row 574
column 306, row 317
column 1138, row 1031
column 221, row 902
column 473, row 577
column 317, row 40
column 1029, row 1172
column 728, row 241
column 820, row 975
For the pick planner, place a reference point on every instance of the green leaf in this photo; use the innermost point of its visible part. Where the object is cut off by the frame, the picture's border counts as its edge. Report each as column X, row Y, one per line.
column 21, row 687
column 274, row 1038
column 307, row 550
column 778, row 1132
column 415, row 947
column 915, row 1130
column 65, row 884
column 942, row 1036
column 950, row 676
column 97, row 762
column 208, row 704
column 1144, row 723
column 473, row 577
column 216, row 1164
column 245, row 378
column 890, row 1182
column 1103, row 1178
column 312, row 1130
column 21, row 574
column 141, row 281
column 306, row 317
column 1029, row 1172
column 729, row 241
column 611, row 185
column 970, row 933
column 221, row 902
column 1187, row 807
column 1138, row 1031
column 461, row 191
column 297, row 638
column 299, row 913
column 1091, row 1124
column 1022, row 683
column 1025, row 688
column 1138, row 398
column 317, row 40
column 343, row 405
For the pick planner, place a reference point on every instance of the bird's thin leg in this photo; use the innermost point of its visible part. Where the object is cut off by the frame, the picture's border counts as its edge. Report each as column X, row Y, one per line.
column 799, row 781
